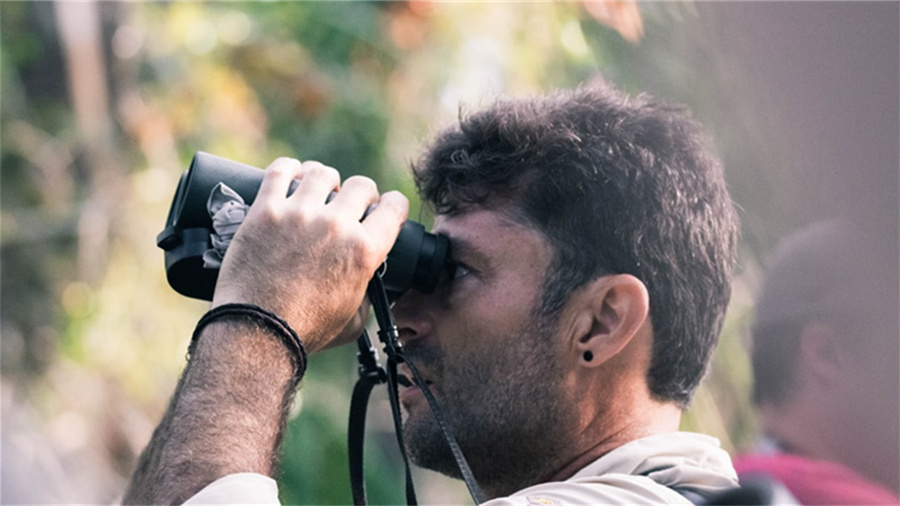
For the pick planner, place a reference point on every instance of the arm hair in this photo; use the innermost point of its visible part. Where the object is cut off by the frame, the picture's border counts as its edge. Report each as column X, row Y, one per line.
column 227, row 415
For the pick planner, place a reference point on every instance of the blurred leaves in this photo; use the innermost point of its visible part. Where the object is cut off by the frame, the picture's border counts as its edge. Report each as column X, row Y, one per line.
column 623, row 16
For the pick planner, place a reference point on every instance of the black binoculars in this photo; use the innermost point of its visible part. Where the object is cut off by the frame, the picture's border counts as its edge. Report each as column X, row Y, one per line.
column 416, row 260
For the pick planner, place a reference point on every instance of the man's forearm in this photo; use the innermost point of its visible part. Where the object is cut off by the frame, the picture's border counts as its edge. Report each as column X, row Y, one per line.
column 227, row 415
column 229, row 410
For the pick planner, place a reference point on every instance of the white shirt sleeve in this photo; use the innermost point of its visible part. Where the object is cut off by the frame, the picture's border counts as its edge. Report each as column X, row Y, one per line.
column 239, row 488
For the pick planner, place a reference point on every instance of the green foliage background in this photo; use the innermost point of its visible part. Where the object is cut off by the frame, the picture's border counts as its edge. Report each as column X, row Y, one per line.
column 99, row 120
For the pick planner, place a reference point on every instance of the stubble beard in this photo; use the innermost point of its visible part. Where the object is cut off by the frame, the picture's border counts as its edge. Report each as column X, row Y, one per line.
column 507, row 411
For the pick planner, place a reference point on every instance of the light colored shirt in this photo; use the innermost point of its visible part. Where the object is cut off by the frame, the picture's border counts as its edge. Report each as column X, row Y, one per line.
column 649, row 470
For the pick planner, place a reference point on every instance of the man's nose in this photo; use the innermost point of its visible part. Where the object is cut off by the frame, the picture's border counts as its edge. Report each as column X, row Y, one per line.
column 411, row 316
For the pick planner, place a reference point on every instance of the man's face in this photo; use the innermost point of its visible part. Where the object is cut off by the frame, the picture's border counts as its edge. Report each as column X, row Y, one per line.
column 493, row 364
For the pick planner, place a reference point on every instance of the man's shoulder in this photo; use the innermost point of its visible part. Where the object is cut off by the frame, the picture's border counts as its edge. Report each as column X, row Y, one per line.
column 674, row 459
column 608, row 489
column 658, row 469
column 671, row 468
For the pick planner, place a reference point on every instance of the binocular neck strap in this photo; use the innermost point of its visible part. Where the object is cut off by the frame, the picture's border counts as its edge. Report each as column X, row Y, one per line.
column 371, row 373
column 447, row 429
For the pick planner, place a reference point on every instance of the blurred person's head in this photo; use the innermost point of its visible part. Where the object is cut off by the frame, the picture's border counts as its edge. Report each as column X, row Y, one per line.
column 825, row 349
column 623, row 209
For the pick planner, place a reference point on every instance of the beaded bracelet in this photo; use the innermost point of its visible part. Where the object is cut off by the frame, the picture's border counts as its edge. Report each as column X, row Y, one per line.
column 263, row 318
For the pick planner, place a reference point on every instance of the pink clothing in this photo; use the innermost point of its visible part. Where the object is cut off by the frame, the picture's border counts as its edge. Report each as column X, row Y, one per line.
column 814, row 482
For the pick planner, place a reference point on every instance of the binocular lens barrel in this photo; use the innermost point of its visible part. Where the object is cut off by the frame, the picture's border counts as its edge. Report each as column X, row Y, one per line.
column 416, row 260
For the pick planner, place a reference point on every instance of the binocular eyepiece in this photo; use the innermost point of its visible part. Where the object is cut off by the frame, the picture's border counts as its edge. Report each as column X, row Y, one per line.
column 416, row 260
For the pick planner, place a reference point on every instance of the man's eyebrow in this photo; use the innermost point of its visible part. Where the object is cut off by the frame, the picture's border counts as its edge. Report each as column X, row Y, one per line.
column 463, row 249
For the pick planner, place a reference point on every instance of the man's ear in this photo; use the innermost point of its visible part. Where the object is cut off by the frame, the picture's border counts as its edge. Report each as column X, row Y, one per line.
column 613, row 310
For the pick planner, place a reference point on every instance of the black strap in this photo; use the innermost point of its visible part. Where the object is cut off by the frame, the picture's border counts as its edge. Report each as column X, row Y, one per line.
column 356, row 434
column 465, row 471
column 690, row 495
column 394, row 396
column 371, row 373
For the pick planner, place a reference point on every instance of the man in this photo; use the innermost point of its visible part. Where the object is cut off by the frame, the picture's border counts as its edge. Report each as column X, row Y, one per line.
column 592, row 237
column 825, row 359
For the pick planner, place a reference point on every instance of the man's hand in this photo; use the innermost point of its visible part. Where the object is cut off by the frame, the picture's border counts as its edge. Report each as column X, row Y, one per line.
column 308, row 261
column 305, row 260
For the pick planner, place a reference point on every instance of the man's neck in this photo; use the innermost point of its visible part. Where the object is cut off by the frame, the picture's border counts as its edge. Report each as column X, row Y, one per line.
column 655, row 418
column 594, row 440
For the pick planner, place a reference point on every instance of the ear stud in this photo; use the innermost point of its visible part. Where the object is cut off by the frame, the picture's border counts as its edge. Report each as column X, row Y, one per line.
column 588, row 356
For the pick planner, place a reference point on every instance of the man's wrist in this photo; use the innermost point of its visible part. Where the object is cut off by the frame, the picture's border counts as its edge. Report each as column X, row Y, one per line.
column 264, row 320
column 238, row 389
column 227, row 416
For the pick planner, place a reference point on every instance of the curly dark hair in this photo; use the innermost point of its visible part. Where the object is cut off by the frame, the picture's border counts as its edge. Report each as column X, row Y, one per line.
column 617, row 184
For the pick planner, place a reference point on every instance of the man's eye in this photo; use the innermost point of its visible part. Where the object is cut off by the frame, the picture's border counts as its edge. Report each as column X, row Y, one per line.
column 459, row 271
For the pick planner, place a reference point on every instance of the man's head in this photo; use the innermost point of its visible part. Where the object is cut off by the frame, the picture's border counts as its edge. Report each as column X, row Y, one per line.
column 826, row 345
column 594, row 238
column 615, row 184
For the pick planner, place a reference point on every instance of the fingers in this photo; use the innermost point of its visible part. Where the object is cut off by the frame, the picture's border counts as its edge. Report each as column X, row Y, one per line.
column 277, row 179
column 352, row 200
column 329, row 244
column 386, row 213
column 316, row 182
column 385, row 220
column 357, row 195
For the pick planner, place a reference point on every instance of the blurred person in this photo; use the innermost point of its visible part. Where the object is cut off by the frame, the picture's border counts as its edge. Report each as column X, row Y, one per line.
column 592, row 241
column 825, row 362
